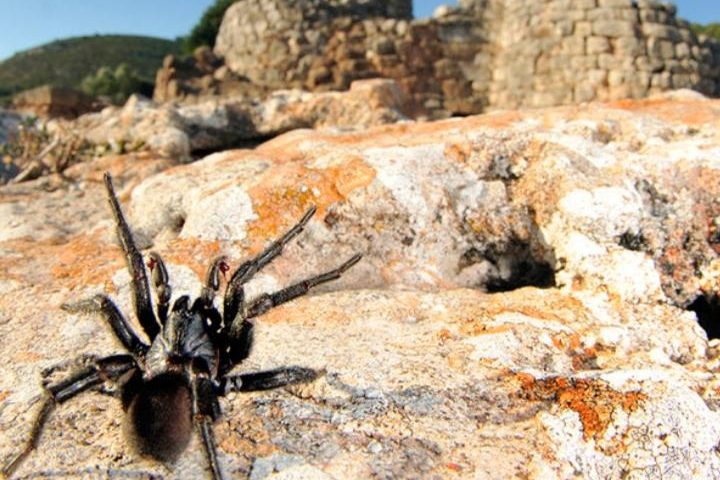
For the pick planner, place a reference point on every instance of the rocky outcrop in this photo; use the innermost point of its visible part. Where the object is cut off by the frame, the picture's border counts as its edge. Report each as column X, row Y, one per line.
column 201, row 75
column 181, row 130
column 48, row 101
column 524, row 307
column 9, row 122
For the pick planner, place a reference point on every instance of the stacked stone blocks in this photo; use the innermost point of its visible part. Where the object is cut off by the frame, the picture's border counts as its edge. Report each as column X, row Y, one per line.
column 481, row 55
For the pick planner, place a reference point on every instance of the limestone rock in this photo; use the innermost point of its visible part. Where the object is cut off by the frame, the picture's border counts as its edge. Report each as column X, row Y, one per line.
column 50, row 101
column 179, row 130
column 9, row 121
column 521, row 310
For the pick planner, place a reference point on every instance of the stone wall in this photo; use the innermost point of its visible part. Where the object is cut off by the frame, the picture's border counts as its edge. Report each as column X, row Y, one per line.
column 481, row 55
column 273, row 42
column 553, row 52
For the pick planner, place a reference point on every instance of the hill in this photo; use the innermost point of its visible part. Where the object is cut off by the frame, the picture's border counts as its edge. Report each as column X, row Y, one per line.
column 66, row 62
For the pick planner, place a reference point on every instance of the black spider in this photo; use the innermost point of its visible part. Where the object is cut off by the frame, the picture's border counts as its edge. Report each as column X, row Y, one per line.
column 173, row 384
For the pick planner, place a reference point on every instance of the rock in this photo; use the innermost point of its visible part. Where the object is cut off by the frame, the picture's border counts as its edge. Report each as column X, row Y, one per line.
column 179, row 130
column 9, row 121
column 49, row 101
column 524, row 306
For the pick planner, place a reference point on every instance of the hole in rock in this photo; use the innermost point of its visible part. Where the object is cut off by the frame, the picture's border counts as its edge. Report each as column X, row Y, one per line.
column 244, row 144
column 633, row 241
column 519, row 267
column 707, row 310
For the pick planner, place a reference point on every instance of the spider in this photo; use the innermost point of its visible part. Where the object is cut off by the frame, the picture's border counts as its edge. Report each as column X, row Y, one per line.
column 171, row 385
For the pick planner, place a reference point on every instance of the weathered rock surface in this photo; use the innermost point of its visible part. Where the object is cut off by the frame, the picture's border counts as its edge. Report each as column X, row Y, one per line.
column 9, row 122
column 521, row 309
column 51, row 101
column 179, row 130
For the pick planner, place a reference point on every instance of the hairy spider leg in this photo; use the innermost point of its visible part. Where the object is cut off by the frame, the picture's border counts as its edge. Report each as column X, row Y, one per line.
column 206, row 410
column 240, row 343
column 121, row 327
column 234, row 292
column 267, row 301
column 267, row 380
column 138, row 275
column 204, row 303
column 161, row 284
column 240, row 332
column 107, row 368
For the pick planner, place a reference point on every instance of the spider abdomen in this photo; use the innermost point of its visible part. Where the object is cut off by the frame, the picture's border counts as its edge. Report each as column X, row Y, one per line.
column 159, row 417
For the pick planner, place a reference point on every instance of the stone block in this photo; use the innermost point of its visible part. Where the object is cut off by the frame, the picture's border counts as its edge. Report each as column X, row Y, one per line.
column 597, row 77
column 682, row 50
column 660, row 48
column 598, row 14
column 614, row 28
column 384, row 45
column 456, row 88
column 564, row 28
column 628, row 46
column 583, row 29
column 583, row 62
column 662, row 80
column 608, row 61
column 648, row 15
column 446, row 68
column 584, row 93
column 682, row 80
column 615, row 78
column 615, row 3
column 585, row 4
column 596, row 45
column 619, row 92
column 573, row 46
column 659, row 30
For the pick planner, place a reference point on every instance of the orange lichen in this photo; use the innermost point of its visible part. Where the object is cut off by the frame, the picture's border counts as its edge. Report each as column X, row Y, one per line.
column 193, row 253
column 687, row 112
column 288, row 192
column 84, row 260
column 593, row 400
column 529, row 302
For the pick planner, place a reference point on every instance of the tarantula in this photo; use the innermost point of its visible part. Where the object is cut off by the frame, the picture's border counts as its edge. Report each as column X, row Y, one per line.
column 172, row 385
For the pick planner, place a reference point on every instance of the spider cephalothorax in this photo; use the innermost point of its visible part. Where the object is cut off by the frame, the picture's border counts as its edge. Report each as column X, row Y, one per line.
column 171, row 385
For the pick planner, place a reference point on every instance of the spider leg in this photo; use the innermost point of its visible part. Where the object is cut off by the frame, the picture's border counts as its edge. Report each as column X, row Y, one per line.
column 161, row 283
column 266, row 301
column 206, row 410
column 267, row 380
column 107, row 368
column 240, row 336
column 120, row 325
column 139, row 283
column 204, row 302
column 234, row 292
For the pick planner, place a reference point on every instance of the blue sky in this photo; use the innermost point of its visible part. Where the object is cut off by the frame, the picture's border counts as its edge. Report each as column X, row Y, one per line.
column 29, row 23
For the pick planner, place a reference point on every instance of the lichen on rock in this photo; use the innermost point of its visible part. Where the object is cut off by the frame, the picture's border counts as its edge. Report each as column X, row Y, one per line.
column 523, row 307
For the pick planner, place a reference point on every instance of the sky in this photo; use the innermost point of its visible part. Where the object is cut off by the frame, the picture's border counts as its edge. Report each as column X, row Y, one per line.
column 28, row 23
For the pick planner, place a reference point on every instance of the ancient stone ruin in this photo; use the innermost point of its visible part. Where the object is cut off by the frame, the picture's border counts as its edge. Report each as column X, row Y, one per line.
column 484, row 54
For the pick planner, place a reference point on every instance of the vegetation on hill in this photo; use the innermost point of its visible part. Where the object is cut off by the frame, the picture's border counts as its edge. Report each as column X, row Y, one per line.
column 67, row 62
column 207, row 28
column 711, row 29
column 117, row 84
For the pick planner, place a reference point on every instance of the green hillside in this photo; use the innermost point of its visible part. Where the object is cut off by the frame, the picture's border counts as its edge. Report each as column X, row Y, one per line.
column 66, row 62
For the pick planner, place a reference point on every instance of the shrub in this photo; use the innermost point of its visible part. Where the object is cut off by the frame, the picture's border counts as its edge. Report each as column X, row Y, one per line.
column 116, row 84
column 711, row 29
column 207, row 28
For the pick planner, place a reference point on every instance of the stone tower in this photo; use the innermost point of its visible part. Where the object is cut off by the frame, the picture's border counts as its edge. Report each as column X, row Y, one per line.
column 273, row 42
column 482, row 54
